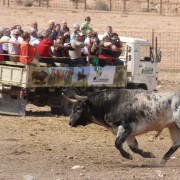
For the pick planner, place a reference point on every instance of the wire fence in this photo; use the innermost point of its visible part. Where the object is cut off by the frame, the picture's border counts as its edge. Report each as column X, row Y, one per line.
column 169, row 44
column 158, row 7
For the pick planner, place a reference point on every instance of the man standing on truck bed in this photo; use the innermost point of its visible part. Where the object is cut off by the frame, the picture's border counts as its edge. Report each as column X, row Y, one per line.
column 116, row 48
column 6, row 37
column 44, row 49
column 23, row 49
column 75, row 52
column 14, row 46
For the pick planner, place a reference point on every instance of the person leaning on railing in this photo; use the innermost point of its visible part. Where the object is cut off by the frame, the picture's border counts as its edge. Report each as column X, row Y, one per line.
column 94, row 49
column 44, row 49
column 27, row 51
column 116, row 47
column 14, row 46
column 5, row 39
column 1, row 52
column 105, row 52
column 60, row 50
column 75, row 52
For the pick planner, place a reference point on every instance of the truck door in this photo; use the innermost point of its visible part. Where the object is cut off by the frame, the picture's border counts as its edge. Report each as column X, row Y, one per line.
column 147, row 70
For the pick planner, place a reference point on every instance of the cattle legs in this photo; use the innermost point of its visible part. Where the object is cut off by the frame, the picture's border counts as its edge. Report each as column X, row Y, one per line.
column 175, row 137
column 121, row 138
column 133, row 144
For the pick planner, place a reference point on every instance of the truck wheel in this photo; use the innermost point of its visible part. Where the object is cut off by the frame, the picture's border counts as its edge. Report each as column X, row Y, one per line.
column 142, row 86
column 56, row 110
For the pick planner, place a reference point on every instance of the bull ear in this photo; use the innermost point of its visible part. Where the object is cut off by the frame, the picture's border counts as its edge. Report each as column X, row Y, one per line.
column 81, row 98
column 72, row 101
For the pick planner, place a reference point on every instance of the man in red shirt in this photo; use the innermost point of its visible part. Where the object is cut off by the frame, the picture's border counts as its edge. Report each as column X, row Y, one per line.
column 44, row 49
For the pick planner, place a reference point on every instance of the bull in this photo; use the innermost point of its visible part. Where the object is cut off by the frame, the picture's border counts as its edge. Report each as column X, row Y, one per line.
column 128, row 113
column 39, row 75
column 81, row 75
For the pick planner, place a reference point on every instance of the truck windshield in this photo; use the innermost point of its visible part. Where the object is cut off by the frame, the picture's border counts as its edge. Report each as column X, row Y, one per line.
column 144, row 53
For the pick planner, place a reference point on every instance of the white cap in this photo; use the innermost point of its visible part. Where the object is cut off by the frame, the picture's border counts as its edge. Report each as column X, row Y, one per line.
column 76, row 26
column 16, row 31
column 51, row 21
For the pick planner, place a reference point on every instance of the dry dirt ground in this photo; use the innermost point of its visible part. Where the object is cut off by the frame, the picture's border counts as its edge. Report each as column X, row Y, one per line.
column 45, row 147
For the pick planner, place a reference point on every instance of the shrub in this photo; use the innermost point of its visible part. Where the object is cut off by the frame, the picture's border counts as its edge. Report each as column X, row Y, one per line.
column 28, row 3
column 102, row 5
column 18, row 2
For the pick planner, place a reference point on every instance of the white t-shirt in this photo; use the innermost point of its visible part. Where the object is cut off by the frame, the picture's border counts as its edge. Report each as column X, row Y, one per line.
column 5, row 45
column 77, row 45
column 14, row 48
column 85, row 49
column 34, row 41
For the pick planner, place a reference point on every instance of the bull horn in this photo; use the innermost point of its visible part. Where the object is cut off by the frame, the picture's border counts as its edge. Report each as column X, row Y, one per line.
column 72, row 101
column 81, row 97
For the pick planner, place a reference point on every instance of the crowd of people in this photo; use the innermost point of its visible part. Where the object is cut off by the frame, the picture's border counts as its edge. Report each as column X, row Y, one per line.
column 79, row 46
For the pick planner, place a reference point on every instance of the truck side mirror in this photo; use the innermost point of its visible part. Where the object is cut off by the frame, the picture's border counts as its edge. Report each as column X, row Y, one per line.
column 158, row 56
column 151, row 55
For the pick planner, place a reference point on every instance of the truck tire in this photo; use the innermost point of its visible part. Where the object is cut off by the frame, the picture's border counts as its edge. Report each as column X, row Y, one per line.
column 136, row 86
column 142, row 86
column 56, row 110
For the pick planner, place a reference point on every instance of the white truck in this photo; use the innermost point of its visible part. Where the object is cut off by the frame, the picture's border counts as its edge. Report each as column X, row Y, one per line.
column 142, row 63
column 42, row 85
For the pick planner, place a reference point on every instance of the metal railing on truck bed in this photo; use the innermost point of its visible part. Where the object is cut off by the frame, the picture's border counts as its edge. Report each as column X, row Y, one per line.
column 19, row 83
column 87, row 76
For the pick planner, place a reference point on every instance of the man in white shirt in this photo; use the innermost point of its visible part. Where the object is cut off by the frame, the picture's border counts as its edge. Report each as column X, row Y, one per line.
column 5, row 39
column 14, row 46
column 34, row 41
column 89, row 34
column 75, row 53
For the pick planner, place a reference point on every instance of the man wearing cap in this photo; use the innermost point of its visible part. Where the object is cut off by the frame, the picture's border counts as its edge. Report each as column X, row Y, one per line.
column 75, row 54
column 85, row 25
column 14, row 46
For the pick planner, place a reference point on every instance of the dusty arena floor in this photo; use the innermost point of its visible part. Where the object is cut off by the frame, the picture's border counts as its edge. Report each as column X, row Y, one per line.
column 46, row 148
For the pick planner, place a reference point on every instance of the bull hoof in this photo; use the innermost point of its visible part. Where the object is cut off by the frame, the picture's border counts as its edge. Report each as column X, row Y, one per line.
column 163, row 161
column 148, row 155
column 127, row 156
column 152, row 155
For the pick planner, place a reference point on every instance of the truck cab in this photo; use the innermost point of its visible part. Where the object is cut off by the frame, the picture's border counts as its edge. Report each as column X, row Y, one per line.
column 142, row 63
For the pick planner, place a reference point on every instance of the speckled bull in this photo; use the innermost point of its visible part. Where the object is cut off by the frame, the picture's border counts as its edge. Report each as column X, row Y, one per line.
column 128, row 113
